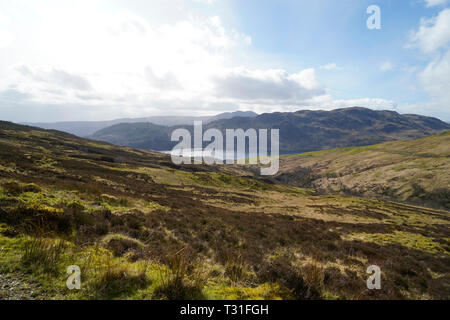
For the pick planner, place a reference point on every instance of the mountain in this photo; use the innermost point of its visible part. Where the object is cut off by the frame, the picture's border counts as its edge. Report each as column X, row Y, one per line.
column 87, row 128
column 300, row 131
column 140, row 227
column 144, row 135
column 230, row 115
column 415, row 171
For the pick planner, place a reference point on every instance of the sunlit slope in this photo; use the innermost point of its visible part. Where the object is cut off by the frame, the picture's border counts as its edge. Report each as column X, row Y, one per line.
column 141, row 228
column 416, row 171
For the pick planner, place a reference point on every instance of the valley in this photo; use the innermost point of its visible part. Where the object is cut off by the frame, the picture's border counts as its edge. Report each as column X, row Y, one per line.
column 140, row 227
column 414, row 171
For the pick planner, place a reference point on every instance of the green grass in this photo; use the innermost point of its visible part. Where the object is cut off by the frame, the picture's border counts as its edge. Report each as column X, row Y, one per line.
column 107, row 277
column 410, row 240
column 123, row 216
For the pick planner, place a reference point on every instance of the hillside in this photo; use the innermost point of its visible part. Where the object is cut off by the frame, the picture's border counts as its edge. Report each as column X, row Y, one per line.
column 415, row 171
column 141, row 228
column 87, row 128
column 300, row 131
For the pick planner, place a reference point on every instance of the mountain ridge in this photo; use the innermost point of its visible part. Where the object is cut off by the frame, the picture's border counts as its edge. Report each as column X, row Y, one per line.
column 86, row 128
column 300, row 131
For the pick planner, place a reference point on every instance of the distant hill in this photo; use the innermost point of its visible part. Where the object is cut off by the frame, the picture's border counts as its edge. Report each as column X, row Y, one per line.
column 415, row 171
column 143, row 135
column 230, row 115
column 87, row 128
column 300, row 131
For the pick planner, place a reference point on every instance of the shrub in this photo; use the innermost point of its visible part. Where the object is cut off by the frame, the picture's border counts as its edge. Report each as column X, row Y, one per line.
column 109, row 199
column 101, row 228
column 175, row 282
column 39, row 217
column 116, row 278
column 31, row 187
column 10, row 232
column 120, row 244
column 313, row 276
column 12, row 188
column 304, row 282
column 15, row 188
column 124, row 202
column 237, row 270
column 112, row 200
column 76, row 206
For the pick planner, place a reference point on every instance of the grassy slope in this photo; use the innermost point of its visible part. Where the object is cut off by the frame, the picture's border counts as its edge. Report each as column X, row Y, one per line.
column 416, row 171
column 140, row 228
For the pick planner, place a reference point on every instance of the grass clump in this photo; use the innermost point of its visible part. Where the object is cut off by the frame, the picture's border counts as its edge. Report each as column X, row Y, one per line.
column 117, row 278
column 237, row 270
column 35, row 217
column 43, row 254
column 120, row 244
column 14, row 188
column 304, row 282
column 179, row 280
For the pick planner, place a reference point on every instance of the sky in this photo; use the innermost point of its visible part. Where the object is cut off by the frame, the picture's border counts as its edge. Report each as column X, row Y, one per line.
column 64, row 60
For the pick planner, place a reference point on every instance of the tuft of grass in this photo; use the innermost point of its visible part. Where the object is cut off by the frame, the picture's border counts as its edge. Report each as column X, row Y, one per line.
column 11, row 188
column 237, row 270
column 120, row 244
column 175, row 281
column 38, row 217
column 42, row 254
column 304, row 282
column 117, row 279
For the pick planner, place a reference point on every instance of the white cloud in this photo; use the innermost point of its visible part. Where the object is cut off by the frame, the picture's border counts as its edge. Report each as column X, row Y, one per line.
column 317, row 102
column 432, row 109
column 433, row 33
column 371, row 103
column 330, row 66
column 268, row 85
column 121, row 65
column 433, row 3
column 123, row 59
column 327, row 102
column 6, row 37
column 55, row 77
column 166, row 81
column 433, row 38
column 387, row 66
column 436, row 81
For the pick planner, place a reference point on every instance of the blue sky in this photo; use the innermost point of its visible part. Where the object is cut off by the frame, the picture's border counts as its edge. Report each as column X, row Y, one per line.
column 301, row 34
column 96, row 60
